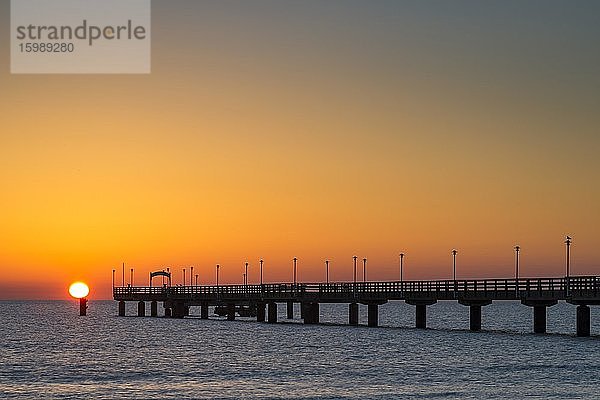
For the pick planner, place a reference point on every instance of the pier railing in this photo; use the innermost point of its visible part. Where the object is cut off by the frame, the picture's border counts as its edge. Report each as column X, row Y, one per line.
column 558, row 288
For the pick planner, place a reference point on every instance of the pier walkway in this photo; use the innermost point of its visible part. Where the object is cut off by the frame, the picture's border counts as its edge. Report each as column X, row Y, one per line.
column 538, row 293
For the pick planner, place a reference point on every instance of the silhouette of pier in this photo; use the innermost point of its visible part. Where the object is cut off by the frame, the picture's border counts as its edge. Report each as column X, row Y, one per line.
column 538, row 293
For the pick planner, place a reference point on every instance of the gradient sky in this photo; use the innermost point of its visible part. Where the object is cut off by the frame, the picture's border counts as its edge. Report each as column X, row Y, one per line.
column 312, row 129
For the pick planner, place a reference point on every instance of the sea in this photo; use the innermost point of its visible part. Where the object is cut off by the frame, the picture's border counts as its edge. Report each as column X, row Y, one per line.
column 47, row 351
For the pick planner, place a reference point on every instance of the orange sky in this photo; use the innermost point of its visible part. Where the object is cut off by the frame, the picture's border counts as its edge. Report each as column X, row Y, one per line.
column 289, row 131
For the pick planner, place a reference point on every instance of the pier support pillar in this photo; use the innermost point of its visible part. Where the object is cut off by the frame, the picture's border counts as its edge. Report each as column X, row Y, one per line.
column 474, row 312
column 178, row 309
column 475, row 318
column 272, row 310
column 421, row 311
column 302, row 310
column 260, row 312
column 230, row 311
column 311, row 313
column 121, row 308
column 539, row 319
column 539, row 313
column 353, row 314
column 583, row 320
column 373, row 315
column 153, row 308
column 83, row 306
column 204, row 311
column 421, row 316
column 141, row 309
column 168, row 312
column 290, row 310
column 186, row 311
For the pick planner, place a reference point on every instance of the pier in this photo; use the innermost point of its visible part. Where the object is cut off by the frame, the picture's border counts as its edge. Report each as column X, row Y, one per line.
column 537, row 293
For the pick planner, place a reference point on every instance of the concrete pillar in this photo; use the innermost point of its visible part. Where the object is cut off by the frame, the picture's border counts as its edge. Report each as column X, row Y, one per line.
column 353, row 314
column 178, row 309
column 272, row 312
column 539, row 312
column 475, row 306
column 260, row 312
column 539, row 319
column 153, row 308
column 421, row 310
column 204, row 311
column 290, row 310
column 230, row 311
column 186, row 311
column 83, row 307
column 311, row 313
column 302, row 310
column 141, row 309
column 121, row 308
column 168, row 312
column 475, row 317
column 373, row 315
column 308, row 313
column 421, row 316
column 583, row 320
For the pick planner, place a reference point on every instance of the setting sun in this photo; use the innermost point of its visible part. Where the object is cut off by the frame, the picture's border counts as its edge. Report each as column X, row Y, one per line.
column 79, row 290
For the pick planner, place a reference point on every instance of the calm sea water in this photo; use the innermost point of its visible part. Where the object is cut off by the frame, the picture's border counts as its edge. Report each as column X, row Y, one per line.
column 48, row 351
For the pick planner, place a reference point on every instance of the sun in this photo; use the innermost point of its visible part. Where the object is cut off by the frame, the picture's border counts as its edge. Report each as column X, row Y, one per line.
column 79, row 290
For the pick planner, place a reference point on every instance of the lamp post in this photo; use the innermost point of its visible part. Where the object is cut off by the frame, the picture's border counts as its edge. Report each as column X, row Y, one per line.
column 517, row 250
column 364, row 270
column 568, row 261
column 218, row 275
column 295, row 264
column 401, row 267
column 123, row 277
column 355, row 258
column 246, row 275
column 169, row 272
column 261, row 272
column 184, row 277
column 327, row 271
column 454, row 252
column 131, row 278
column 113, row 279
column 191, row 275
column 196, row 279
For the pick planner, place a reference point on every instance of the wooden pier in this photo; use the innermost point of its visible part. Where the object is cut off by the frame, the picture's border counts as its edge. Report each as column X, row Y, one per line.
column 538, row 293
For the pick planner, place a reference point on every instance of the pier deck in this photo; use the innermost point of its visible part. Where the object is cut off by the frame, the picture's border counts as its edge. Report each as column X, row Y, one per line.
column 538, row 293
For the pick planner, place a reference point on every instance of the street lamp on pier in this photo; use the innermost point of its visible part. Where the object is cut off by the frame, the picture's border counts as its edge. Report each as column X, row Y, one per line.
column 517, row 250
column 218, row 266
column 364, row 270
column 568, row 261
column 327, row 271
column 261, row 272
column 454, row 252
column 295, row 265
column 355, row 258
column 401, row 267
